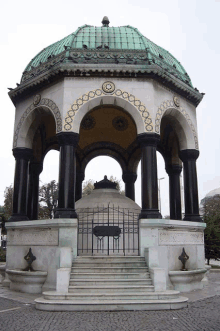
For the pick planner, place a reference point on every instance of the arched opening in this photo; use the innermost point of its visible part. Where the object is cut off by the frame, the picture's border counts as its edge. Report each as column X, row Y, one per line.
column 100, row 166
column 109, row 131
column 173, row 138
column 48, row 186
column 163, row 187
column 39, row 135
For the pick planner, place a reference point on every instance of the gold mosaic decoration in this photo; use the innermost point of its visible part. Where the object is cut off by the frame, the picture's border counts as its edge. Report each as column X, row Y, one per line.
column 118, row 93
column 42, row 102
column 168, row 104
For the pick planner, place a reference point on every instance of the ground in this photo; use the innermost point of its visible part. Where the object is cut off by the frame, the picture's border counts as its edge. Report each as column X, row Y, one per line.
column 202, row 315
column 17, row 313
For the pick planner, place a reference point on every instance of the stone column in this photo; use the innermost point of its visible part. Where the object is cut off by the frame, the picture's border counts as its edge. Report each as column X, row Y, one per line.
column 149, row 186
column 33, row 190
column 67, row 175
column 79, row 179
column 174, row 171
column 189, row 157
column 22, row 156
column 129, row 179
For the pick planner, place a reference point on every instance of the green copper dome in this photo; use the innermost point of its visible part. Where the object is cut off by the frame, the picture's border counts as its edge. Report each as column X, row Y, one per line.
column 90, row 45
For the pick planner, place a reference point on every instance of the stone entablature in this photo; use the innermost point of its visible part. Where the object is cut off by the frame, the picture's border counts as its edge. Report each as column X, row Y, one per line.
column 67, row 98
column 170, row 237
column 37, row 237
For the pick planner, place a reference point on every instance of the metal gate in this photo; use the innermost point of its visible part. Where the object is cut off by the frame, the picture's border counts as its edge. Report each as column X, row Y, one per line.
column 108, row 231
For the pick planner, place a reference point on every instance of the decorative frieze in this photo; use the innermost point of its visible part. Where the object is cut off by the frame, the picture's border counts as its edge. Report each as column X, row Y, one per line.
column 170, row 237
column 33, row 237
column 118, row 93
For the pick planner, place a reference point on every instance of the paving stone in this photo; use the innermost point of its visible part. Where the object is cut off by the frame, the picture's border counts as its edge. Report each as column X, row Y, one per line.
column 202, row 315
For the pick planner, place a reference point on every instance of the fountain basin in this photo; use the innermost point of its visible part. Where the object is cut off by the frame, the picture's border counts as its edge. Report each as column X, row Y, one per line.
column 26, row 281
column 187, row 281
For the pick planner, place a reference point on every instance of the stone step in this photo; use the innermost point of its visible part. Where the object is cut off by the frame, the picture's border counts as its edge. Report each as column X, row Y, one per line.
column 109, row 275
column 107, row 282
column 109, row 269
column 110, row 288
column 110, row 305
column 52, row 295
column 109, row 258
column 89, row 264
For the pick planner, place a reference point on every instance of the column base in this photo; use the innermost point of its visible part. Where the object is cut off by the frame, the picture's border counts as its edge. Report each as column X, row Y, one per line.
column 18, row 218
column 193, row 218
column 150, row 213
column 65, row 213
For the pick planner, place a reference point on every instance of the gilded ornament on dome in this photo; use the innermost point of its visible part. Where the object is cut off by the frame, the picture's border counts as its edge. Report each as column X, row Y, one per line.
column 108, row 87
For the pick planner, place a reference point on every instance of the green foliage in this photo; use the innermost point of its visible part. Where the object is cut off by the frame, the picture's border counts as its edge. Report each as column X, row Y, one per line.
column 211, row 215
column 88, row 187
column 48, row 197
column 8, row 202
column 2, row 255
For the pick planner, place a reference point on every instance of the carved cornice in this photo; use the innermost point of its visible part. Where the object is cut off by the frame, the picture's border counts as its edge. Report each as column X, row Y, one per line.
column 148, row 139
column 189, row 155
column 22, row 153
column 129, row 177
column 68, row 68
column 173, row 169
column 68, row 138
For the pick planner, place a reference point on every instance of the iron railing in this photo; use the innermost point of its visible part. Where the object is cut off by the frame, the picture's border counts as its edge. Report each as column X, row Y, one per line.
column 108, row 230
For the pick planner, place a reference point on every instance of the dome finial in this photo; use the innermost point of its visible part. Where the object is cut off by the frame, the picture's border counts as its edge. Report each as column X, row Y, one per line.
column 105, row 21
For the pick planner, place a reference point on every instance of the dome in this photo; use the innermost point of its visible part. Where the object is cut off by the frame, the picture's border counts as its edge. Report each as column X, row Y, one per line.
column 105, row 194
column 103, row 51
column 112, row 45
column 213, row 192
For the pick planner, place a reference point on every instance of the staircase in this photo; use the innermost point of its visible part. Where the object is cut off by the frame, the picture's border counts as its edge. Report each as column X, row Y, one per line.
column 110, row 283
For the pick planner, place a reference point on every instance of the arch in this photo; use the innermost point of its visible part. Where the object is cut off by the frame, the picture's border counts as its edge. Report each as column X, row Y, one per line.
column 28, row 117
column 123, row 99
column 186, row 131
column 104, row 152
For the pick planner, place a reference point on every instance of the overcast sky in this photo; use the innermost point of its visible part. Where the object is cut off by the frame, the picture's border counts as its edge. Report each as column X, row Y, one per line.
column 188, row 29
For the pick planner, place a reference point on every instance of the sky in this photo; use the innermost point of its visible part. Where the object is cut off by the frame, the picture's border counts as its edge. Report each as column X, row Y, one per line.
column 187, row 29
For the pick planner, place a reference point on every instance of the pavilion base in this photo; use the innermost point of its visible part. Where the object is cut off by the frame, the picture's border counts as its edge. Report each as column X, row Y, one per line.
column 162, row 242
column 45, row 238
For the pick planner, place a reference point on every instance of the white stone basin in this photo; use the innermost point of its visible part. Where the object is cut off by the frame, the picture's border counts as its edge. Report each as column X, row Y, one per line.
column 27, row 281
column 186, row 281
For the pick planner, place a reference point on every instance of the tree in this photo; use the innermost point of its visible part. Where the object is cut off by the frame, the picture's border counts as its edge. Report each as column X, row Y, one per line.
column 88, row 186
column 8, row 202
column 48, row 197
column 211, row 216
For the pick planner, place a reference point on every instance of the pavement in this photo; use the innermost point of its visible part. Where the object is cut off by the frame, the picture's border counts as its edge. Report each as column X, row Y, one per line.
column 18, row 313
